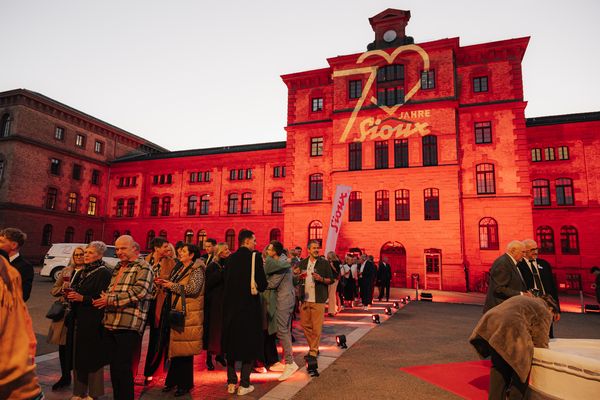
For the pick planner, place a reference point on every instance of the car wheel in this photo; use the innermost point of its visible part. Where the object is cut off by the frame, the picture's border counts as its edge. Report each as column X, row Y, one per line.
column 55, row 274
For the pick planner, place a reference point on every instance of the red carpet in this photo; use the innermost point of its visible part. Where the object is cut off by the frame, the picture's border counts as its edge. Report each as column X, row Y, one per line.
column 470, row 380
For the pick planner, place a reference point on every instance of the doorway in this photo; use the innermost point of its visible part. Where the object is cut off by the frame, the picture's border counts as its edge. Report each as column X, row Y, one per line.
column 396, row 255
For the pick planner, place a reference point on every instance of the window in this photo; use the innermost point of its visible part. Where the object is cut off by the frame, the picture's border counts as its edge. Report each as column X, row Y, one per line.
column 429, row 150
column 432, row 261
column 204, row 204
column 89, row 236
column 249, row 173
column 549, row 153
column 72, row 202
column 230, row 239
column 120, row 206
column 276, row 172
column 162, row 233
column 569, row 240
column 201, row 238
column 240, row 174
column 564, row 192
column 316, row 146
column 488, row 234
column 486, row 181
column 382, row 205
column 355, row 206
column 232, row 203
column 275, row 234
column 354, row 156
column 541, row 192
column 536, row 155
column 246, row 202
column 428, row 79
column 563, row 153
column 149, row 238
column 166, row 206
column 483, row 132
column 47, row 235
column 381, row 154
column 277, row 202
column 99, row 147
column 354, row 89
column 92, row 205
column 390, row 96
column 59, row 133
column 206, row 176
column 189, row 236
column 315, row 232
column 80, row 140
column 432, row 203
column 480, row 84
column 192, row 203
column 169, row 178
column 315, row 187
column 192, row 177
column 76, row 172
column 232, row 175
column 155, row 180
column 130, row 207
column 55, row 166
column 51, row 196
column 390, row 85
column 400, row 153
column 573, row 281
column 95, row 177
column 402, row 205
column 317, row 104
column 545, row 237
column 154, row 206
column 69, row 234
column 5, row 125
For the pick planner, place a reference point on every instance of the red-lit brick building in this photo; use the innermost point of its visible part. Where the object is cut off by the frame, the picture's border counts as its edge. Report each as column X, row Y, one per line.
column 432, row 137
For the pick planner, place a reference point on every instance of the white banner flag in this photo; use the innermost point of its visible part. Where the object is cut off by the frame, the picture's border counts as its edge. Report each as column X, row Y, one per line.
column 342, row 193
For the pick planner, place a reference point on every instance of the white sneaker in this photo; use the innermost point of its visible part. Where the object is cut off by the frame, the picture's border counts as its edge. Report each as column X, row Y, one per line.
column 288, row 371
column 242, row 391
column 277, row 367
column 230, row 388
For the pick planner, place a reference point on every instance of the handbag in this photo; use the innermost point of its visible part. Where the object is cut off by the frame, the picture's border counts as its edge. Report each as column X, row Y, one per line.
column 176, row 317
column 253, row 288
column 56, row 311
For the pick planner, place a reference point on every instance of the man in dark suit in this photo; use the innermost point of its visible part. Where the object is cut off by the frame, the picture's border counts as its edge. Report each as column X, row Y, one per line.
column 11, row 241
column 384, row 277
column 537, row 274
column 505, row 278
column 209, row 247
column 367, row 273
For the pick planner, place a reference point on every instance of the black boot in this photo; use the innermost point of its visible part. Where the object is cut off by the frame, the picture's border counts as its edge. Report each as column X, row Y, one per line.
column 61, row 383
column 209, row 364
column 221, row 360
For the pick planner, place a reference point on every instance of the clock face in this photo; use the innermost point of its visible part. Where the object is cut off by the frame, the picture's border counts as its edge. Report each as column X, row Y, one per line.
column 390, row 36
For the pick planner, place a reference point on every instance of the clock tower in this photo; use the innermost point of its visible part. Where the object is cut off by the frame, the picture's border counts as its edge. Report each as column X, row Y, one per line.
column 389, row 27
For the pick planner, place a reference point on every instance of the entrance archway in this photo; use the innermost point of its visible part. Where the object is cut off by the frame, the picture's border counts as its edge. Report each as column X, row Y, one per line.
column 396, row 255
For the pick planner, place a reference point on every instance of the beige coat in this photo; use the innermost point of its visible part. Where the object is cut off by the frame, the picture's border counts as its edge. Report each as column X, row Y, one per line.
column 188, row 342
column 162, row 270
column 513, row 328
column 57, row 333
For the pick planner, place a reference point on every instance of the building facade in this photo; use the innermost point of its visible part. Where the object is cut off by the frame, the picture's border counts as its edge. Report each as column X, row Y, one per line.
column 432, row 137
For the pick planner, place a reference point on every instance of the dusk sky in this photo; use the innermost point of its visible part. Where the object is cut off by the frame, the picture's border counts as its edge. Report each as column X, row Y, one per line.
column 195, row 74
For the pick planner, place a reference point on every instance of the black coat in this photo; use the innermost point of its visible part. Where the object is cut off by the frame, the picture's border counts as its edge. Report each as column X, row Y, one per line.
column 505, row 282
column 26, row 271
column 242, row 315
column 545, row 271
column 384, row 273
column 89, row 353
column 213, row 307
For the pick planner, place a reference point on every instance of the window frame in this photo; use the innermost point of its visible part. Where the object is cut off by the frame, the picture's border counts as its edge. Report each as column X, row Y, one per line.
column 315, row 187
column 382, row 154
column 246, row 204
column 488, row 234
column 382, row 205
column 428, row 79
column 232, row 203
column 431, row 204
column 569, row 240
column 316, row 146
column 565, row 193
column 79, row 136
column 478, row 83
column 316, row 104
column 538, row 190
column 483, row 132
column 354, row 89
column 485, row 178
column 355, row 206
column 355, row 156
column 204, row 204
column 402, row 205
column 400, row 153
column 277, row 202
column 430, row 150
column 99, row 147
column 536, row 154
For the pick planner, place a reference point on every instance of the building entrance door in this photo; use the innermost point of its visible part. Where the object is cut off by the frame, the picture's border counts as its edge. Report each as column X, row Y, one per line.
column 396, row 255
column 433, row 269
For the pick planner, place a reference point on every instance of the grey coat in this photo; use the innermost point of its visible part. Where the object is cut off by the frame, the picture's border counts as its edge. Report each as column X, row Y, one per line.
column 505, row 282
column 281, row 284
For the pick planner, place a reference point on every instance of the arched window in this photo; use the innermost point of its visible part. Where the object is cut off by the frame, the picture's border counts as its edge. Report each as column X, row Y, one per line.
column 315, row 231
column 89, row 236
column 277, row 202
column 486, row 181
column 402, row 204
column 69, row 234
column 189, row 236
column 432, row 203
column 545, row 237
column 564, row 192
column 162, row 233
column 166, row 206
column 127, row 232
column 51, row 196
column 72, row 202
column 201, row 238
column 120, row 206
column 154, row 206
column 246, row 202
column 5, row 125
column 569, row 240
column 315, row 189
column 92, row 205
column 541, row 192
column 204, row 204
column 192, row 204
column 488, row 234
column 149, row 238
column 130, row 207
column 355, row 206
column 230, row 239
column 430, row 153
column 47, row 235
column 116, row 235
column 382, row 205
column 232, row 203
column 275, row 234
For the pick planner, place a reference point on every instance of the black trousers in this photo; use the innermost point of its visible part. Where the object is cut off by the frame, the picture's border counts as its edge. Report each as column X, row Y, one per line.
column 244, row 374
column 122, row 346
column 384, row 290
column 65, row 365
column 504, row 380
column 181, row 373
column 271, row 355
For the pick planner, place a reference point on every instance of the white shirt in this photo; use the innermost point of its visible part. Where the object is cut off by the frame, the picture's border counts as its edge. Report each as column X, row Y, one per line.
column 362, row 266
column 13, row 257
column 354, row 270
column 309, row 284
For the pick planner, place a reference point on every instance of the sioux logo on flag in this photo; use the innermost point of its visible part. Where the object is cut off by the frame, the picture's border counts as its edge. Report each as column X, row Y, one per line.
column 337, row 212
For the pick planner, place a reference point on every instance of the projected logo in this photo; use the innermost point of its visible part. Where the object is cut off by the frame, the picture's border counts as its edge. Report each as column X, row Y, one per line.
column 393, row 123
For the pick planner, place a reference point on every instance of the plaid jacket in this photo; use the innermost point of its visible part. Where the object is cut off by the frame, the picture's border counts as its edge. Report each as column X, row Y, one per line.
column 128, row 300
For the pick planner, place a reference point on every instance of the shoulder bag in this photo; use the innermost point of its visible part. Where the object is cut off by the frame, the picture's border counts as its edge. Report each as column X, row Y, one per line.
column 176, row 317
column 56, row 311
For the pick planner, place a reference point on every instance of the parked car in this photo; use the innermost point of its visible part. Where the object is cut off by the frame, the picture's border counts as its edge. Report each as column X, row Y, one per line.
column 60, row 253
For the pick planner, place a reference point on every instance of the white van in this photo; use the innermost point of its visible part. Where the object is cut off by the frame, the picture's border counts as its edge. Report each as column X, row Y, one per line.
column 60, row 253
